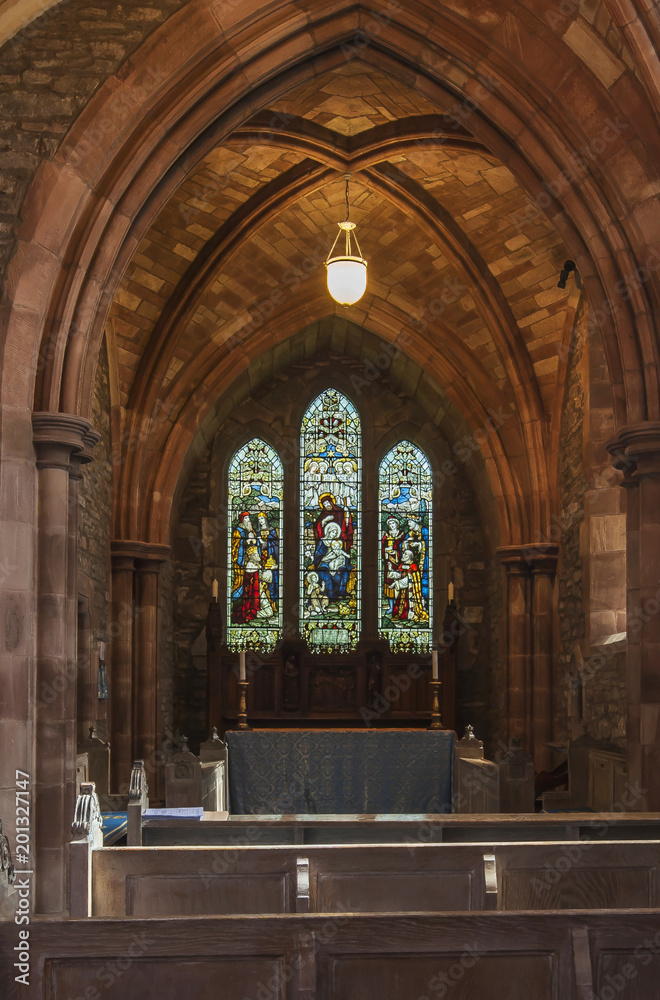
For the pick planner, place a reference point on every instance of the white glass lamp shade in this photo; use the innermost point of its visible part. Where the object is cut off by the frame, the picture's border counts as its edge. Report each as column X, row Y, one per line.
column 347, row 279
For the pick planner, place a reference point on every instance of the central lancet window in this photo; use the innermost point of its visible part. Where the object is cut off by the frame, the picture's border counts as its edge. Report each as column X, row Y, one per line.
column 254, row 593
column 330, row 524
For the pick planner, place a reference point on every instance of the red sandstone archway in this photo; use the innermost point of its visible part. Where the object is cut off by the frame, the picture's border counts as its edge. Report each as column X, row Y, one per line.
column 87, row 208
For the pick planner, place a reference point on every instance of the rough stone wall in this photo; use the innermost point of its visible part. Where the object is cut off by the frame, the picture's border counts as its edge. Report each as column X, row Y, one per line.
column 191, row 596
column 166, row 653
column 48, row 72
column 572, row 485
column 95, row 513
column 604, row 549
column 94, row 528
column 590, row 679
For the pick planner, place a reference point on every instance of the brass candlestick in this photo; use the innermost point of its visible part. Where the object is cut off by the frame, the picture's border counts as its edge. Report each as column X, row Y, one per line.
column 436, row 721
column 242, row 706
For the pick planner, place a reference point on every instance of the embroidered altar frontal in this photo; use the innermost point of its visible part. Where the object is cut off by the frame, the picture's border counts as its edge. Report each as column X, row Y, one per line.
column 340, row 771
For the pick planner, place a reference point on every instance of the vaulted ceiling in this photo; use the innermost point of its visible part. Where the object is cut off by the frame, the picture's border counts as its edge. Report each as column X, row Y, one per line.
column 457, row 251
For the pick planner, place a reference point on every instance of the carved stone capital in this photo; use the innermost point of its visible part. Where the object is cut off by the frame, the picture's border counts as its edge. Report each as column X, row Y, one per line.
column 146, row 557
column 63, row 441
column 535, row 557
column 635, row 451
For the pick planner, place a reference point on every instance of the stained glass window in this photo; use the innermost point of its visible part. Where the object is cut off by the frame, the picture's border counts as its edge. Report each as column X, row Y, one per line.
column 254, row 591
column 330, row 476
column 405, row 496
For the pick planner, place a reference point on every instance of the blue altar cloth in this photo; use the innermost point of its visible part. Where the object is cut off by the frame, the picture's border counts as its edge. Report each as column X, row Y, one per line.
column 340, row 771
column 114, row 827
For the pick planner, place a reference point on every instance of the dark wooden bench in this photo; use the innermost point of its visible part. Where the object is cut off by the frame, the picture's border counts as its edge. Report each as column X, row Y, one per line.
column 158, row 882
column 572, row 955
column 153, row 882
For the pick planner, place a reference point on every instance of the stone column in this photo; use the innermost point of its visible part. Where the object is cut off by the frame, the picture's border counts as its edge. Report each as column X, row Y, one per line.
column 518, row 641
column 636, row 452
column 120, row 680
column 529, row 626
column 145, row 697
column 77, row 660
column 87, row 676
column 543, row 560
column 62, row 442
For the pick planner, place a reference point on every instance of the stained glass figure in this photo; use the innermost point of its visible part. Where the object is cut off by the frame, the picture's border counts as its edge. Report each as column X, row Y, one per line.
column 405, row 492
column 254, row 592
column 330, row 571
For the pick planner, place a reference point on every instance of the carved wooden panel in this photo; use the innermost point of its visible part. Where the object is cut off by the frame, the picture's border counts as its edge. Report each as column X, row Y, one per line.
column 332, row 689
column 380, row 892
column 164, row 883
column 194, row 895
column 630, row 973
column 372, row 687
column 465, row 974
column 578, row 875
column 593, row 888
column 134, row 975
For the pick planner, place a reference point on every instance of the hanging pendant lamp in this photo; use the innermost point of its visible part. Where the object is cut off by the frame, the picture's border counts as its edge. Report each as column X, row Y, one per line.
column 346, row 273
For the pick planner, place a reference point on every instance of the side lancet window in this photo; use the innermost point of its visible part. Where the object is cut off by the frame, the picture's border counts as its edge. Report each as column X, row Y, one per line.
column 330, row 524
column 405, row 501
column 254, row 586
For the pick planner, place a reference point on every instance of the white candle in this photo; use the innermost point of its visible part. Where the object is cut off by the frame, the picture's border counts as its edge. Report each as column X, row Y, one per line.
column 450, row 592
column 434, row 662
column 242, row 675
column 214, row 590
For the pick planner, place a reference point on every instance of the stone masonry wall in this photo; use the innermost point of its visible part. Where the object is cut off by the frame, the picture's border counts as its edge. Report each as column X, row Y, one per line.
column 48, row 72
column 94, row 529
column 94, row 518
column 572, row 483
column 166, row 651
column 191, row 596
column 604, row 555
column 590, row 679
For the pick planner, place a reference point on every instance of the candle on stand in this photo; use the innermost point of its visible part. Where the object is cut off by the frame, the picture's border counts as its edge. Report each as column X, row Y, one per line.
column 434, row 662
column 450, row 592
column 242, row 675
column 214, row 590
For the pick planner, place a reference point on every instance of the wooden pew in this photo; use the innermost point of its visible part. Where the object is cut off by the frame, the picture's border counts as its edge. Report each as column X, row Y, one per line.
column 87, row 831
column 374, row 878
column 157, row 882
column 571, row 955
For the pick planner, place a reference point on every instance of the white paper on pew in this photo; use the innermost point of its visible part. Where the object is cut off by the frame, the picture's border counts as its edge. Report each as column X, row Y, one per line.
column 189, row 812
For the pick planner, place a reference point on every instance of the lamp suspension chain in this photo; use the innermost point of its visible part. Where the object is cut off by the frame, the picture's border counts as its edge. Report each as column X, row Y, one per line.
column 347, row 273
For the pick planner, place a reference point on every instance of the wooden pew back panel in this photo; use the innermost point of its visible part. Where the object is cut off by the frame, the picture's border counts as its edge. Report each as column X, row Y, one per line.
column 153, row 882
column 584, row 875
